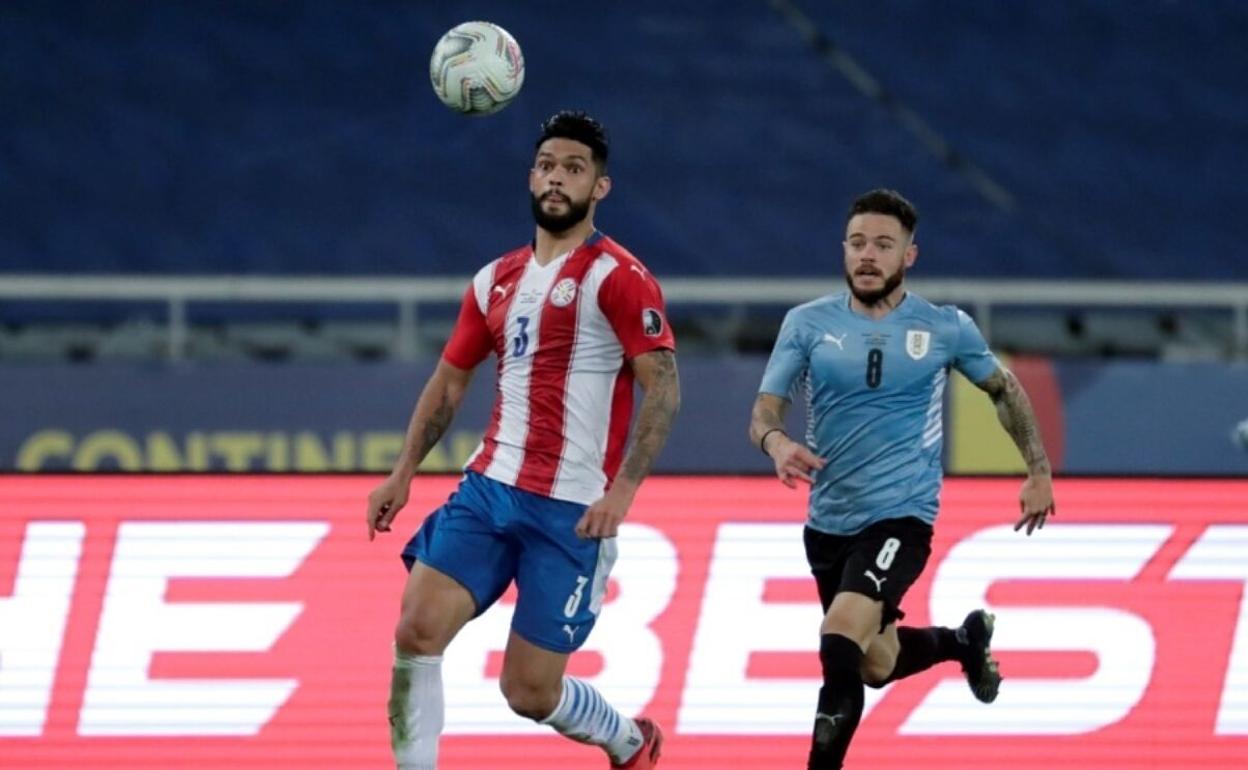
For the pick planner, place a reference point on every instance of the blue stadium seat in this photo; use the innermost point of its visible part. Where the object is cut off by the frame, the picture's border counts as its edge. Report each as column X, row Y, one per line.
column 301, row 138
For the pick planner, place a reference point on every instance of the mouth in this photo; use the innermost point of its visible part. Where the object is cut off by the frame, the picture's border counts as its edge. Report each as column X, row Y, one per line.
column 868, row 272
column 555, row 197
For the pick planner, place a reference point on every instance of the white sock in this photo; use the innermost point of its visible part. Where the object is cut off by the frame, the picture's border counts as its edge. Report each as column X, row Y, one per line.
column 585, row 716
column 416, row 710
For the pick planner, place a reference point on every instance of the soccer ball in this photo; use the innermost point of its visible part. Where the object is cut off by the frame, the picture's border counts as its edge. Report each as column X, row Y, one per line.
column 476, row 68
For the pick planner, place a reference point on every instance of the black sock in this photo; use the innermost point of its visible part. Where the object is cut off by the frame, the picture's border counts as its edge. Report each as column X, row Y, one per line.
column 840, row 702
column 922, row 648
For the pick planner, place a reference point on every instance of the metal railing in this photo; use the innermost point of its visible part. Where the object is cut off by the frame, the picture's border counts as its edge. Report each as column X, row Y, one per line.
column 407, row 294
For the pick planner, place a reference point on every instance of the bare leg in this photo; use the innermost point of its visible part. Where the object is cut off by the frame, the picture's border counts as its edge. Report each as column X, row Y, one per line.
column 534, row 684
column 433, row 609
column 880, row 659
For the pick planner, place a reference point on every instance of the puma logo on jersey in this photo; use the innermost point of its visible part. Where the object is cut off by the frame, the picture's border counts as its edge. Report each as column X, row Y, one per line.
column 840, row 341
column 501, row 290
column 879, row 581
column 640, row 272
column 571, row 632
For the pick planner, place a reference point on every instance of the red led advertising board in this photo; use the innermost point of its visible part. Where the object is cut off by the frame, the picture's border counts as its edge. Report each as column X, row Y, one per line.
column 246, row 622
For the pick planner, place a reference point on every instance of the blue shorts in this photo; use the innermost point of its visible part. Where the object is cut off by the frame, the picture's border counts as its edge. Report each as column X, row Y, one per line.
column 489, row 533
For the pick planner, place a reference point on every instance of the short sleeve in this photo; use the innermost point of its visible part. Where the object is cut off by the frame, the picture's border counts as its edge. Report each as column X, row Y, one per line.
column 789, row 358
column 971, row 355
column 632, row 302
column 470, row 340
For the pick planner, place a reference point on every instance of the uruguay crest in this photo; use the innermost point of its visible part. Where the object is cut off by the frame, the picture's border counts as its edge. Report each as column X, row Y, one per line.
column 917, row 343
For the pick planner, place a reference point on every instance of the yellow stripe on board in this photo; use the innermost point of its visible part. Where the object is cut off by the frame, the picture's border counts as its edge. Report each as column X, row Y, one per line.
column 979, row 444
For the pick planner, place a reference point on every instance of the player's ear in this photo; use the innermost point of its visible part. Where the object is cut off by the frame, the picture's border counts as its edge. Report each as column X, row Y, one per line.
column 602, row 186
column 912, row 254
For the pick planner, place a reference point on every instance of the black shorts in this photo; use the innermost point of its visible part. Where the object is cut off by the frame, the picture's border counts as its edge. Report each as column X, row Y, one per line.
column 881, row 562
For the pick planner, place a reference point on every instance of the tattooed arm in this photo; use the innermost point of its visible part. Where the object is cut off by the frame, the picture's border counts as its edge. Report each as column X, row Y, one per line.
column 1016, row 416
column 767, row 420
column 656, row 372
column 434, row 410
column 792, row 459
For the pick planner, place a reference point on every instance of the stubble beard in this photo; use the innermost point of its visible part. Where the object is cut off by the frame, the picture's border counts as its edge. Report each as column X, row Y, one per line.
column 557, row 224
column 873, row 297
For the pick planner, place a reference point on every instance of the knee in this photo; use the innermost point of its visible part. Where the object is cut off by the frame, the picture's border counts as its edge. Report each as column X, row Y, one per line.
column 876, row 671
column 421, row 632
column 854, row 622
column 531, row 700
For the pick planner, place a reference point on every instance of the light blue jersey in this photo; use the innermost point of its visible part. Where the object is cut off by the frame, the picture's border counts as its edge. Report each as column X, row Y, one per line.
column 874, row 393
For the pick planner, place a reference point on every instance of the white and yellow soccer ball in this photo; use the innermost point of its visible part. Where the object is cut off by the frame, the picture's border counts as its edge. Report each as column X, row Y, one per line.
column 476, row 68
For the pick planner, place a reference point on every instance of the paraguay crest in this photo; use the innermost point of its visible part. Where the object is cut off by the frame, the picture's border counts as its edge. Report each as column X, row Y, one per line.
column 563, row 293
column 918, row 342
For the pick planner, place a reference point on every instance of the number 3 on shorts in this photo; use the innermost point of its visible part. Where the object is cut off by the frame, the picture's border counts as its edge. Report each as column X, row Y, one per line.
column 574, row 601
column 887, row 553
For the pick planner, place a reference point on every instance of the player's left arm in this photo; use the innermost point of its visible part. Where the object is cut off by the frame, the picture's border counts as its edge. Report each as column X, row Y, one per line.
column 655, row 371
column 1019, row 420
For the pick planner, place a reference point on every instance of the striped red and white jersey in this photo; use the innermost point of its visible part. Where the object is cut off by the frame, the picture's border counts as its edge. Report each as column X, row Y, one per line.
column 563, row 334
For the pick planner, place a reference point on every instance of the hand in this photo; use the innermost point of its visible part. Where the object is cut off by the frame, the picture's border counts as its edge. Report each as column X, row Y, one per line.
column 602, row 519
column 1035, row 501
column 385, row 502
column 793, row 460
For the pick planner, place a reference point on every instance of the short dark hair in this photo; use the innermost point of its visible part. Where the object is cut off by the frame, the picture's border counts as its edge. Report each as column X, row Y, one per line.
column 579, row 127
column 889, row 203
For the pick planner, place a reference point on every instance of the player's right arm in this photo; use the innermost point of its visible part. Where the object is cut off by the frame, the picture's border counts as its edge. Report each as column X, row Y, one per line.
column 434, row 411
column 789, row 358
column 468, row 346
column 792, row 459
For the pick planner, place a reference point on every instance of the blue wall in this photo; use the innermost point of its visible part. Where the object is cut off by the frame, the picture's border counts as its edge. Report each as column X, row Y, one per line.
column 1118, row 417
column 1145, row 417
column 302, row 137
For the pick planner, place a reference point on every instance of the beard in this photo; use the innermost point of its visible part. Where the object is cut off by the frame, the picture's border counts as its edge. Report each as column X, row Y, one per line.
column 558, row 223
column 873, row 296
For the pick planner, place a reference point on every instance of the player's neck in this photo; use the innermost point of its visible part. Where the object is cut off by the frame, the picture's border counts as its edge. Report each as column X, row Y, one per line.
column 877, row 310
column 548, row 245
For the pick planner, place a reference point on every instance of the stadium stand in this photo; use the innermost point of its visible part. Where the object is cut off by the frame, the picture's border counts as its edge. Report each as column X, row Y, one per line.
column 300, row 139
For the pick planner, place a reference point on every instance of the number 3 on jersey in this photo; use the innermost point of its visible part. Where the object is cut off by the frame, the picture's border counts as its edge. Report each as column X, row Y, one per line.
column 520, row 343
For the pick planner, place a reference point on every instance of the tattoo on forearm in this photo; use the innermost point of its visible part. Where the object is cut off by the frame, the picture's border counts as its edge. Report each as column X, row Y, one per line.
column 768, row 418
column 768, row 413
column 1019, row 420
column 654, row 420
column 433, row 429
